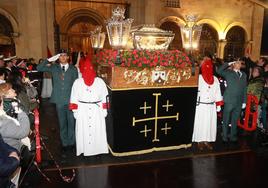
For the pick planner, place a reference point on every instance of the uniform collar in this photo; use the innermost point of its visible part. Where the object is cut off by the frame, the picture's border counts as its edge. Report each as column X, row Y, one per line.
column 66, row 66
column 237, row 70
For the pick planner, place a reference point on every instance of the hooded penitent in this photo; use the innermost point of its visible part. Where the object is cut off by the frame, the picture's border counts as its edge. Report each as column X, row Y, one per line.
column 88, row 75
column 87, row 71
column 207, row 71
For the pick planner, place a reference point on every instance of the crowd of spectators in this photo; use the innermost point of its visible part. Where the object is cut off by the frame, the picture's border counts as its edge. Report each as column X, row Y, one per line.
column 257, row 84
column 18, row 99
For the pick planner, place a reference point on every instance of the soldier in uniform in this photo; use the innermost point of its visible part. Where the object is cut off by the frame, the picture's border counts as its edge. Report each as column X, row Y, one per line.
column 234, row 97
column 63, row 75
column 9, row 64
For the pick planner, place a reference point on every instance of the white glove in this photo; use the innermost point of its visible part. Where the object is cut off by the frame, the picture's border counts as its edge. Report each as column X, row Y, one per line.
column 218, row 108
column 26, row 141
column 243, row 105
column 104, row 112
column 53, row 58
column 15, row 106
column 75, row 114
column 230, row 63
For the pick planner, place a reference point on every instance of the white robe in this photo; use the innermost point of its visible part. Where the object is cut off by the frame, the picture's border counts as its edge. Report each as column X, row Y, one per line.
column 205, row 123
column 90, row 118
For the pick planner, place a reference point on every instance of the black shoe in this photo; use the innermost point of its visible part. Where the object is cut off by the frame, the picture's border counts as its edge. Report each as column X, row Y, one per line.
column 225, row 143
column 64, row 149
column 234, row 141
column 224, row 140
column 71, row 148
column 63, row 155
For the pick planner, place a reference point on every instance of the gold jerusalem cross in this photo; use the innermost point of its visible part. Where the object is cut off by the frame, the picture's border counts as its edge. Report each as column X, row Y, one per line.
column 166, row 128
column 145, row 131
column 155, row 118
column 145, row 107
column 167, row 105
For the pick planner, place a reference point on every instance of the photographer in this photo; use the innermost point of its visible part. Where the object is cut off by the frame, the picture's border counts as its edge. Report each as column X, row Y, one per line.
column 27, row 101
column 14, row 124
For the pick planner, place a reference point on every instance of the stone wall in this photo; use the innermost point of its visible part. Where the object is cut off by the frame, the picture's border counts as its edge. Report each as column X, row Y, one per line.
column 96, row 12
column 222, row 15
column 33, row 19
column 104, row 9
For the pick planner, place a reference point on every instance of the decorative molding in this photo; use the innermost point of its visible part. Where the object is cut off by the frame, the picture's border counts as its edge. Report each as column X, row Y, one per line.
column 175, row 19
column 263, row 4
column 11, row 18
column 67, row 19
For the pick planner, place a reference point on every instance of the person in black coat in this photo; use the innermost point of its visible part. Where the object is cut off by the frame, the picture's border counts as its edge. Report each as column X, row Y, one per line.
column 247, row 65
column 9, row 162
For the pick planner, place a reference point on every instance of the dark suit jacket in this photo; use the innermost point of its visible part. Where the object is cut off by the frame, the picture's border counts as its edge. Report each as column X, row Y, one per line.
column 7, row 164
column 236, row 91
column 62, row 83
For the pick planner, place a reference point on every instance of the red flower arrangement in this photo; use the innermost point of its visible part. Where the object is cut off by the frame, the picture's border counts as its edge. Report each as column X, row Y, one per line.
column 143, row 58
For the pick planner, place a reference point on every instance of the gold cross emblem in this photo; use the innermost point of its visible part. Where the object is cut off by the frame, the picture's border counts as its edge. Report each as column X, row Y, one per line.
column 145, row 107
column 166, row 128
column 155, row 119
column 167, row 105
column 145, row 131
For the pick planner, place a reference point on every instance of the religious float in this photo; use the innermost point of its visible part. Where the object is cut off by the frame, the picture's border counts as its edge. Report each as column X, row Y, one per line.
column 152, row 90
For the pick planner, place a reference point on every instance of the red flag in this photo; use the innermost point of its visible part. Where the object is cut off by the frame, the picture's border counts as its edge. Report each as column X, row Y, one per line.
column 48, row 53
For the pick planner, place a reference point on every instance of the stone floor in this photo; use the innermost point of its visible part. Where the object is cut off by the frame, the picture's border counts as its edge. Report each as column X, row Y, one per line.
column 227, row 165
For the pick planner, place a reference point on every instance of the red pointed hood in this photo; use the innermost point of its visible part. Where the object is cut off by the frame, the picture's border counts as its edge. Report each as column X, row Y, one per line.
column 87, row 71
column 207, row 71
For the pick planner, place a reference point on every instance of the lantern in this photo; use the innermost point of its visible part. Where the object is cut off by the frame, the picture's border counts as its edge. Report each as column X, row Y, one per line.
column 190, row 33
column 118, row 28
column 97, row 38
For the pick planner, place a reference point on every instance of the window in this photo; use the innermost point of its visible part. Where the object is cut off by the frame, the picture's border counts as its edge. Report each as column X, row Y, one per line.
column 208, row 40
column 235, row 46
column 172, row 3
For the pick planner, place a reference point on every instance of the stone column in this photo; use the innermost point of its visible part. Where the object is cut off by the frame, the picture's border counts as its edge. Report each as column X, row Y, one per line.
column 248, row 47
column 50, row 26
column 36, row 28
column 256, row 31
column 220, row 51
column 137, row 11
column 152, row 7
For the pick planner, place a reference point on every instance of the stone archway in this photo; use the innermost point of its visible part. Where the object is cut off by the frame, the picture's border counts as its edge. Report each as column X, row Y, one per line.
column 236, row 39
column 212, row 23
column 75, row 28
column 180, row 22
column 240, row 25
column 173, row 23
column 175, row 28
column 8, row 30
column 208, row 39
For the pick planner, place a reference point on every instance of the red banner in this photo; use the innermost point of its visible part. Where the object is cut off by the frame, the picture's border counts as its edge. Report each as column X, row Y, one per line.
column 249, row 122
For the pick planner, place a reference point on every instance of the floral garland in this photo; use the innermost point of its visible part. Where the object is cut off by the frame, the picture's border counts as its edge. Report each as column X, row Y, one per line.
column 143, row 58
